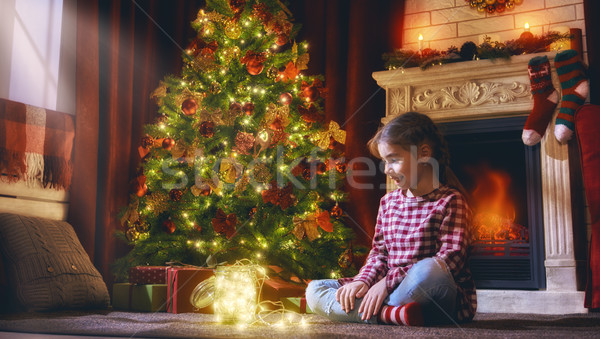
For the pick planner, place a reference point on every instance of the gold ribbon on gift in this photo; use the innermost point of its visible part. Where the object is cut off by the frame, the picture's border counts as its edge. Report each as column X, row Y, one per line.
column 334, row 131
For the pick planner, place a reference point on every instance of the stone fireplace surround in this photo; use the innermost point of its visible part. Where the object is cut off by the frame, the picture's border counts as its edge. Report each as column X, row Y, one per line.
column 484, row 89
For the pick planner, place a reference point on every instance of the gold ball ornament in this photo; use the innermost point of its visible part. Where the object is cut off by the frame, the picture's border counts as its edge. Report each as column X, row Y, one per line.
column 233, row 30
column 481, row 7
column 132, row 235
column 168, row 143
column 473, row 3
column 490, row 2
column 509, row 5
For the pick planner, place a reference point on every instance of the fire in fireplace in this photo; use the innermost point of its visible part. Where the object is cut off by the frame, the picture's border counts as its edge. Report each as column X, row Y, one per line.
column 503, row 178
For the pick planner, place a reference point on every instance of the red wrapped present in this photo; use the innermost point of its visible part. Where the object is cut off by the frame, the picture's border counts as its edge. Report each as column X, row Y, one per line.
column 181, row 282
column 148, row 275
column 277, row 288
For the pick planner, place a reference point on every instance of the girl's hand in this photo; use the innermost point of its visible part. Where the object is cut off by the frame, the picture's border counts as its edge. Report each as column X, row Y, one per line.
column 347, row 294
column 373, row 300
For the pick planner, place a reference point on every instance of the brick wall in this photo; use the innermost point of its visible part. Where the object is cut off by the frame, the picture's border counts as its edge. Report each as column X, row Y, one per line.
column 444, row 23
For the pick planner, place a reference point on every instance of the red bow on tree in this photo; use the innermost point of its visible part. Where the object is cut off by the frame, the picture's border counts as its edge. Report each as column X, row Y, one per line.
column 279, row 196
column 311, row 114
column 225, row 224
column 289, row 73
column 199, row 46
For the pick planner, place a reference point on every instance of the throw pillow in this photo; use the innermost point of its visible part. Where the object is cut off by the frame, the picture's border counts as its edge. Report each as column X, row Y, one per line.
column 46, row 266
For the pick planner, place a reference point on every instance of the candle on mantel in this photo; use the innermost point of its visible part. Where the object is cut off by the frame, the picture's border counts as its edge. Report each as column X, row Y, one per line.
column 526, row 33
column 420, row 43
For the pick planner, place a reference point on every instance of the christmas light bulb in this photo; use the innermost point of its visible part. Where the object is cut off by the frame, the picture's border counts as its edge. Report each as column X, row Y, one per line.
column 185, row 215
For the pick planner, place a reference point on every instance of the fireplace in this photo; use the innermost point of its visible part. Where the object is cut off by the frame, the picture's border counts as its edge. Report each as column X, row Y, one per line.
column 502, row 177
column 528, row 262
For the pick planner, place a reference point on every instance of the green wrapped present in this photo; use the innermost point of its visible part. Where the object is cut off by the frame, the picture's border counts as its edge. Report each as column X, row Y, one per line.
column 140, row 298
column 296, row 304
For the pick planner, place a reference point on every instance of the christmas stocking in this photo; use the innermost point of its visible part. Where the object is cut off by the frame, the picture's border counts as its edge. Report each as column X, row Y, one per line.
column 545, row 99
column 575, row 89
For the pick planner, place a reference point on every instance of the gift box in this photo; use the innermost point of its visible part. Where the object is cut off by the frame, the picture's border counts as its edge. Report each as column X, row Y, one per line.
column 276, row 288
column 296, row 305
column 148, row 275
column 181, row 283
column 140, row 298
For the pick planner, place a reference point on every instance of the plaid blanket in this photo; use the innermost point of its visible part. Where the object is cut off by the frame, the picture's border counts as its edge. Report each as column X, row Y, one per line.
column 35, row 144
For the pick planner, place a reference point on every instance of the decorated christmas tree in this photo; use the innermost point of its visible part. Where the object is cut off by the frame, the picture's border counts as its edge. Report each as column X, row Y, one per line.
column 241, row 162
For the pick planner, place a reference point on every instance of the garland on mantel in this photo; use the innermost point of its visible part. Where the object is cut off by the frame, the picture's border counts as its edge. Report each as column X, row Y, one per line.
column 403, row 58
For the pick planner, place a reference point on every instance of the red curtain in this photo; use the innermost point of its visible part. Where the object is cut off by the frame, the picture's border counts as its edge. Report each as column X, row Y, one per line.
column 592, row 28
column 123, row 49
column 122, row 54
column 346, row 41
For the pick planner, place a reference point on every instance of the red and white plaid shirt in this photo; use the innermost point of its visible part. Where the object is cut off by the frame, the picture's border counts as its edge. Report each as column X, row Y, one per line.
column 410, row 229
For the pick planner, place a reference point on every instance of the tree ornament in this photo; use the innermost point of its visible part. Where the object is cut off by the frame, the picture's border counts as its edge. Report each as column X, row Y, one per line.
column 244, row 141
column 289, row 73
column 168, row 143
column 509, row 4
column 233, row 30
column 230, row 170
column 242, row 184
column 197, row 226
column 230, row 53
column 132, row 235
column 500, row 7
column 168, row 226
column 272, row 73
column 310, row 114
column 141, row 227
column 313, row 92
column 248, row 108
column 321, row 167
column 139, row 187
column 254, row 62
column 261, row 11
column 175, row 194
column 161, row 118
column 224, row 224
column 307, row 174
column 473, row 3
column 336, row 211
column 237, row 6
column 281, row 197
column 285, row 98
column 490, row 2
column 261, row 173
column 310, row 93
column 157, row 202
column 481, row 7
column 215, row 88
column 205, row 190
column 159, row 93
column 282, row 39
column 346, row 259
column 252, row 212
column 341, row 167
column 490, row 9
column 207, row 129
column 518, row 2
column 305, row 227
column 189, row 106
column 147, row 141
column 501, row 1
column 323, row 139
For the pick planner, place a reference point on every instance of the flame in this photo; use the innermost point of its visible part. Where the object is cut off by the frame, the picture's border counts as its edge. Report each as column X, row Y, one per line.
column 494, row 210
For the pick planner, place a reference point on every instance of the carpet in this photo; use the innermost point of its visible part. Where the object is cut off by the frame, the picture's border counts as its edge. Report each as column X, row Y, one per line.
column 191, row 325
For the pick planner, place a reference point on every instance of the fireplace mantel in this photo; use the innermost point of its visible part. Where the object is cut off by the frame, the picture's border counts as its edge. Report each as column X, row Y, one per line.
column 485, row 89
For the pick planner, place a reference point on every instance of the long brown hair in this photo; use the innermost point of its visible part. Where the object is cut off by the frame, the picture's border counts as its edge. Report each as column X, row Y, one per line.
column 412, row 128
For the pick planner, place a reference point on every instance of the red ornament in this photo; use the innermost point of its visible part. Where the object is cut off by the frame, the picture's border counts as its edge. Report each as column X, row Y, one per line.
column 490, row 9
column 207, row 129
column 252, row 212
column 321, row 167
column 282, row 39
column 168, row 143
column 175, row 194
column 189, row 106
column 336, row 211
column 206, row 190
column 306, row 174
column 311, row 93
column 279, row 196
column 261, row 11
column 501, row 1
column 235, row 108
column 168, row 226
column 500, row 7
column 197, row 227
column 255, row 67
column 248, row 108
column 311, row 114
column 161, row 118
column 285, row 98
column 341, row 167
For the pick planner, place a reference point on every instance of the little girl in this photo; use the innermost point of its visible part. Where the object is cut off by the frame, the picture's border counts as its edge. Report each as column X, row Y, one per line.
column 415, row 273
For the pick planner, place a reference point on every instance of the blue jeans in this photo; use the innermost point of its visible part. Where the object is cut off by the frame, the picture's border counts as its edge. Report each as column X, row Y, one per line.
column 428, row 282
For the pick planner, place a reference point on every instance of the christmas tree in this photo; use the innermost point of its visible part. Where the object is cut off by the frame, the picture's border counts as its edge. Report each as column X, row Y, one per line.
column 241, row 162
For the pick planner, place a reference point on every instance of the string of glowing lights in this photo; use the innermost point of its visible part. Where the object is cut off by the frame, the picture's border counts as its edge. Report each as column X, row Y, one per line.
column 234, row 292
